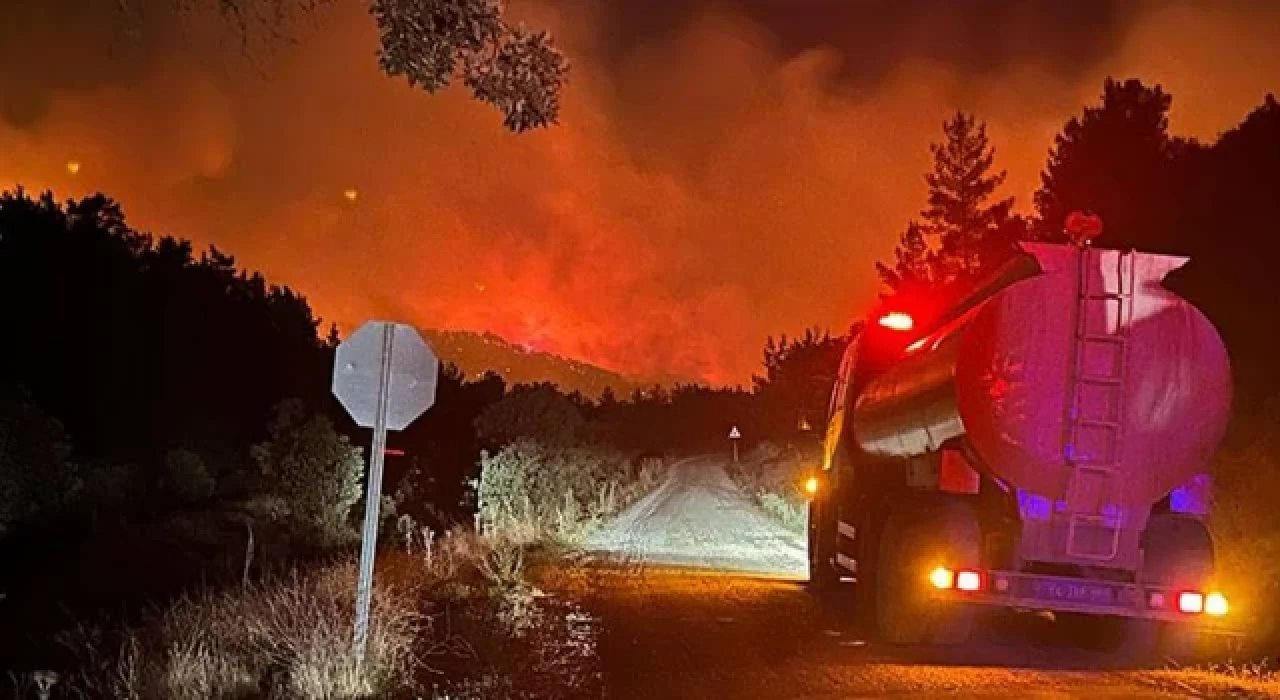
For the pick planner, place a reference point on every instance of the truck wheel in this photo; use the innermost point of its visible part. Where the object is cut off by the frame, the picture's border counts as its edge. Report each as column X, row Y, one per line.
column 911, row 544
column 822, row 572
column 1178, row 552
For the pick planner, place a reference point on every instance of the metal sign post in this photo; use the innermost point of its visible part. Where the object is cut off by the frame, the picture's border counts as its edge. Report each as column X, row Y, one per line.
column 385, row 376
column 734, row 437
column 373, row 498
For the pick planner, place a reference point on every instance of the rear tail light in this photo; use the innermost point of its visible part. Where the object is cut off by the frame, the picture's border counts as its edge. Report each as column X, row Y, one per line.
column 1191, row 602
column 969, row 581
column 962, row 580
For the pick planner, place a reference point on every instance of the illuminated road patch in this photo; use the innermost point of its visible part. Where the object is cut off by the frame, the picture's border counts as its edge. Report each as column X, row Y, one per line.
column 699, row 519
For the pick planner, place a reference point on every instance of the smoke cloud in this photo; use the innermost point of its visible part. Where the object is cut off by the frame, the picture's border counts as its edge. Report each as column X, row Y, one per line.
column 723, row 170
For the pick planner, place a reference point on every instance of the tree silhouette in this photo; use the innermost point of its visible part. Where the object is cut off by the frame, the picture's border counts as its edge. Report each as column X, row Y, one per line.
column 1225, row 204
column 1116, row 160
column 961, row 234
column 136, row 346
column 538, row 411
column 914, row 261
column 798, row 378
column 430, row 43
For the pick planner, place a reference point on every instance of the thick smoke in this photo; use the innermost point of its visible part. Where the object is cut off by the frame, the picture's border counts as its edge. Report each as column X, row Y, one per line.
column 723, row 170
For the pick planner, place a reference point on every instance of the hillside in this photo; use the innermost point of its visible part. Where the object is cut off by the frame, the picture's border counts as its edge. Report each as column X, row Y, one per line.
column 474, row 353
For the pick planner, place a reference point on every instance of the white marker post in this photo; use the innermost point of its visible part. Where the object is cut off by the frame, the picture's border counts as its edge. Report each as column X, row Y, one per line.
column 734, row 437
column 385, row 376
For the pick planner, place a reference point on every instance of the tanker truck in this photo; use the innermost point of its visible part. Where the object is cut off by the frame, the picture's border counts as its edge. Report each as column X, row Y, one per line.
column 1041, row 444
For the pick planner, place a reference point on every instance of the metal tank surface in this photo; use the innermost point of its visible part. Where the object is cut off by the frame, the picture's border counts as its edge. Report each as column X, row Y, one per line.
column 1088, row 385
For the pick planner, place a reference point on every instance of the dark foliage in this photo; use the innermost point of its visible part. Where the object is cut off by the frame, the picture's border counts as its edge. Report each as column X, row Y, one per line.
column 795, row 390
column 1212, row 202
column 139, row 347
column 962, row 234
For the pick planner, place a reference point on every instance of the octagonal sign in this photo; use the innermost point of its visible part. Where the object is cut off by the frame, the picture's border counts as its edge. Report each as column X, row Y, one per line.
column 411, row 381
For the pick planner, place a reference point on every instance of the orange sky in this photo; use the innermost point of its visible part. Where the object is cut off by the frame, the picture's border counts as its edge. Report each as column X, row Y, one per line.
column 705, row 188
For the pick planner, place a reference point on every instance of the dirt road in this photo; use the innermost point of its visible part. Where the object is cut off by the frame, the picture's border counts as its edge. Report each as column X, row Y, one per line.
column 700, row 595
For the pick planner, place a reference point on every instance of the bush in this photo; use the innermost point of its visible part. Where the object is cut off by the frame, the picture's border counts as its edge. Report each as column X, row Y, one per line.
column 528, row 490
column 790, row 509
column 186, row 479
column 37, row 480
column 311, row 467
column 114, row 488
column 1245, row 524
column 772, row 476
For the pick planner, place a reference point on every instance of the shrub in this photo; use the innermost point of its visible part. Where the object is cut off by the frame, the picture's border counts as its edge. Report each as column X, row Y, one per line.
column 1245, row 524
column 114, row 488
column 772, row 476
column 790, row 509
column 186, row 479
column 36, row 477
column 528, row 490
column 311, row 467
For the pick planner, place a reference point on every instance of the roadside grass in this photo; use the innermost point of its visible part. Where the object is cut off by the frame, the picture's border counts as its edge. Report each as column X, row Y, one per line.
column 773, row 478
column 289, row 637
column 454, row 615
column 1235, row 680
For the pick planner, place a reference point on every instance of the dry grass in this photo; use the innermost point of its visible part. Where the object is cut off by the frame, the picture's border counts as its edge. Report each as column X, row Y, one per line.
column 290, row 638
column 1244, row 680
column 772, row 477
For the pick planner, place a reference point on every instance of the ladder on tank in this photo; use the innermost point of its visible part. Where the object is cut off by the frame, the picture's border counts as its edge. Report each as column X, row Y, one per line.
column 1095, row 412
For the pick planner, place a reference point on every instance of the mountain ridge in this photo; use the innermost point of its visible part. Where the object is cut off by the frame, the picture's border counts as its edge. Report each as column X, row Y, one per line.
column 476, row 352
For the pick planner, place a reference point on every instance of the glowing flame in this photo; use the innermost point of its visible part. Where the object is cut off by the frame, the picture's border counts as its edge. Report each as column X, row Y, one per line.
column 73, row 166
column 811, row 485
column 351, row 195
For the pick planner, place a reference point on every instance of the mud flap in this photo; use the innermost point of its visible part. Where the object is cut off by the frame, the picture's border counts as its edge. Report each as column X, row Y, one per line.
column 823, row 575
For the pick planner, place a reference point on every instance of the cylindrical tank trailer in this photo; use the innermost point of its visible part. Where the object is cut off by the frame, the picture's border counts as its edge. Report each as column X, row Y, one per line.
column 1062, row 416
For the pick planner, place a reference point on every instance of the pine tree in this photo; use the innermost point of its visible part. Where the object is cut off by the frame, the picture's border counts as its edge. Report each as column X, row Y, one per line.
column 913, row 261
column 961, row 234
column 1117, row 161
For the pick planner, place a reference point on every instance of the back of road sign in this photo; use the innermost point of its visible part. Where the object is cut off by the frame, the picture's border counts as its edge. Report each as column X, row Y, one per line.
column 358, row 369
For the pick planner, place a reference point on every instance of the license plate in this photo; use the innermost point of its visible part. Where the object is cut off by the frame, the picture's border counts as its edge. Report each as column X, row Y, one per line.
column 1071, row 591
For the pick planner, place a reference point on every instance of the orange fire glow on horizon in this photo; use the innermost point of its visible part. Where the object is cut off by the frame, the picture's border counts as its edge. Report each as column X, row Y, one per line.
column 703, row 191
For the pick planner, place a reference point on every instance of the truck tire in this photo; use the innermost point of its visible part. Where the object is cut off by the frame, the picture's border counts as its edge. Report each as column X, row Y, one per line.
column 1178, row 552
column 912, row 542
column 822, row 571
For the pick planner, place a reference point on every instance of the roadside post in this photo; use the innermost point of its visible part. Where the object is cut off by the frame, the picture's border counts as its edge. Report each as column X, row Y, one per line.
column 385, row 375
column 734, row 437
